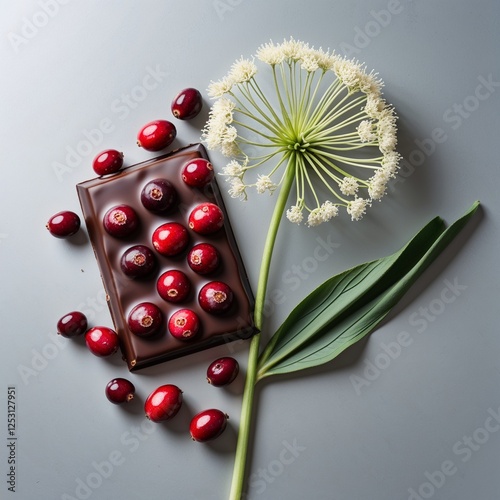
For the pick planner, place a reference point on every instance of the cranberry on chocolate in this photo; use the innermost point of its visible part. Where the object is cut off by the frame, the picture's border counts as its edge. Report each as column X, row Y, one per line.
column 203, row 258
column 197, row 173
column 170, row 239
column 206, row 218
column 159, row 196
column 145, row 319
column 184, row 324
column 121, row 221
column 138, row 261
column 216, row 297
column 173, row 286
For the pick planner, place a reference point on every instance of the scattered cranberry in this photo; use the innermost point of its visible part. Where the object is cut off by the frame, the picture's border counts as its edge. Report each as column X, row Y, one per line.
column 145, row 319
column 138, row 261
column 203, row 258
column 158, row 196
column 207, row 425
column 173, row 286
column 222, row 371
column 197, row 173
column 63, row 224
column 101, row 341
column 170, row 239
column 206, row 218
column 121, row 221
column 184, row 324
column 108, row 162
column 72, row 324
column 187, row 104
column 215, row 297
column 156, row 135
column 163, row 403
column 120, row 390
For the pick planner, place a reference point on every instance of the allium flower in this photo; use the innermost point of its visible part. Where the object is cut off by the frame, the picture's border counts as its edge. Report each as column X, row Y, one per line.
column 357, row 208
column 326, row 121
column 294, row 214
column 242, row 71
column 237, row 188
column 264, row 183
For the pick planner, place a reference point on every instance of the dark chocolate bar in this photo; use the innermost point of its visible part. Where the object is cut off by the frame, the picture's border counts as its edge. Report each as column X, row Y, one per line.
column 123, row 293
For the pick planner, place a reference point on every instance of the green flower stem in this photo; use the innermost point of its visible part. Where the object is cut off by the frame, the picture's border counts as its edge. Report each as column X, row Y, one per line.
column 251, row 377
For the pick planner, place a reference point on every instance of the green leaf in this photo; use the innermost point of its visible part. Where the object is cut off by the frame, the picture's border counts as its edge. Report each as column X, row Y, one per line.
column 348, row 306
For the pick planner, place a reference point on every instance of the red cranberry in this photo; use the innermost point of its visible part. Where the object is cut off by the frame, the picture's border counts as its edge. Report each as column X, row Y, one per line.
column 108, row 162
column 170, row 239
column 145, row 319
column 163, row 403
column 216, row 297
column 120, row 390
column 138, row 261
column 187, row 104
column 158, row 196
column 72, row 324
column 121, row 221
column 197, row 173
column 208, row 425
column 63, row 224
column 156, row 135
column 222, row 371
column 203, row 258
column 206, row 218
column 173, row 286
column 184, row 324
column 102, row 341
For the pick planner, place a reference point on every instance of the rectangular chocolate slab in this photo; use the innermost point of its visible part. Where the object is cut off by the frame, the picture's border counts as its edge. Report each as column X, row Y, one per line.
column 123, row 293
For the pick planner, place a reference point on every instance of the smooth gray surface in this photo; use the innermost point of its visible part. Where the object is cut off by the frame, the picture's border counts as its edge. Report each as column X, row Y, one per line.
column 433, row 406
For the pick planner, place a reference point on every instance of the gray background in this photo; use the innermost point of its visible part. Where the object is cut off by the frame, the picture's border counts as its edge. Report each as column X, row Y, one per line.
column 359, row 432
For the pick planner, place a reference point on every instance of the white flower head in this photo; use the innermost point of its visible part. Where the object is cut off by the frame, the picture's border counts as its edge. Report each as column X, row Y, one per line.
column 329, row 210
column 348, row 186
column 323, row 213
column 242, row 70
column 370, row 84
column 390, row 163
column 230, row 134
column 325, row 60
column 213, row 134
column 387, row 130
column 237, row 188
column 315, row 217
column 294, row 214
column 349, row 73
column 357, row 208
column 270, row 54
column 233, row 169
column 230, row 149
column 377, row 184
column 309, row 61
column 366, row 131
column 222, row 110
column 374, row 105
column 219, row 88
column 293, row 49
column 264, row 183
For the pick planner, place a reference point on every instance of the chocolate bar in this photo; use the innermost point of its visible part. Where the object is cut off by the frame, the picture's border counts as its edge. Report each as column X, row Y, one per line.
column 125, row 292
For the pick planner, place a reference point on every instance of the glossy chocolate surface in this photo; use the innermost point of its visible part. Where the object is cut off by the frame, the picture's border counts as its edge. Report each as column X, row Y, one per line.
column 100, row 194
